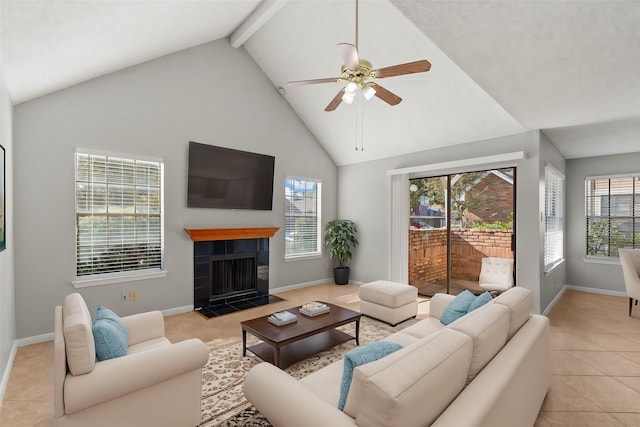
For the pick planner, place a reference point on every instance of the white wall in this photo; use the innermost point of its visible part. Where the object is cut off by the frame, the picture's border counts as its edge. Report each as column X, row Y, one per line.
column 7, row 283
column 213, row 94
column 607, row 277
column 364, row 197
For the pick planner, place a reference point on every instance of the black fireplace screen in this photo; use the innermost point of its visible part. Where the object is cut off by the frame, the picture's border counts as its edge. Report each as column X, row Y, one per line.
column 231, row 276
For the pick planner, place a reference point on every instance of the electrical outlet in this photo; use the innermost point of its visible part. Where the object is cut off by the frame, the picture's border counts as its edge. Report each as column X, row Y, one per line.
column 124, row 296
column 133, row 295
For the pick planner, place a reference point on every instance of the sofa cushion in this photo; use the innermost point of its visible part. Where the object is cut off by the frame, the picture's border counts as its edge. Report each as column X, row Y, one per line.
column 488, row 328
column 78, row 337
column 458, row 307
column 519, row 300
column 479, row 301
column 359, row 356
column 110, row 334
column 421, row 329
column 417, row 389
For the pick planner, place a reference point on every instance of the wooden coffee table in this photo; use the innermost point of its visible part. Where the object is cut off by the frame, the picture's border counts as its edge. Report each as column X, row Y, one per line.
column 285, row 345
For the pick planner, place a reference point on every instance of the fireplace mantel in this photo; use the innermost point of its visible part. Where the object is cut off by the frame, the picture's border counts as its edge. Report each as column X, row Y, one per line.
column 209, row 234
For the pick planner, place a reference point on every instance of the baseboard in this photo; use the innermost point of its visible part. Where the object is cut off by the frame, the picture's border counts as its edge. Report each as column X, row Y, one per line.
column 582, row 289
column 300, row 285
column 7, row 371
column 554, row 301
column 177, row 310
column 597, row 291
column 35, row 339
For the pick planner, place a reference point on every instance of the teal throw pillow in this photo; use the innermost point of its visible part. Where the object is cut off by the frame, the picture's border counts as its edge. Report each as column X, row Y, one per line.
column 480, row 300
column 458, row 307
column 359, row 356
column 110, row 335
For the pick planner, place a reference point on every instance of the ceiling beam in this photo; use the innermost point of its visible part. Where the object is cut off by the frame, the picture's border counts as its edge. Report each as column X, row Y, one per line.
column 265, row 11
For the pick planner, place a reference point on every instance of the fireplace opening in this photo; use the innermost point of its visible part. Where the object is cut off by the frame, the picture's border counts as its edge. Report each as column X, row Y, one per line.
column 233, row 277
column 230, row 275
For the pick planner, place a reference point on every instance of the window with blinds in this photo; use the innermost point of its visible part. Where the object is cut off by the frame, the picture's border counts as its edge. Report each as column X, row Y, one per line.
column 612, row 214
column 118, row 214
column 302, row 217
column 553, row 218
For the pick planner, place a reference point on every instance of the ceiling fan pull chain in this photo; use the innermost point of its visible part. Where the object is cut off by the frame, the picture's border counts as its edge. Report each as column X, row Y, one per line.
column 357, row 111
column 361, row 127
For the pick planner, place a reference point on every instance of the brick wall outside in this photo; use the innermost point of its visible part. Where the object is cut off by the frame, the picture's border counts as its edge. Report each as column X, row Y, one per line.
column 497, row 195
column 428, row 253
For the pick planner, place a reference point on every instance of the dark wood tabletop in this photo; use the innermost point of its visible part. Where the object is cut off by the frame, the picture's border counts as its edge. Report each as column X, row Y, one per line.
column 311, row 334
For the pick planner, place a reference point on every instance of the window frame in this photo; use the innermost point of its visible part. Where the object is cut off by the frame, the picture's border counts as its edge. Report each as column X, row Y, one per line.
column 125, row 275
column 634, row 216
column 554, row 217
column 318, row 210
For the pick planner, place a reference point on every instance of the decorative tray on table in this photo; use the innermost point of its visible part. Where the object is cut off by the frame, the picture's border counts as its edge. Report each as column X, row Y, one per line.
column 314, row 308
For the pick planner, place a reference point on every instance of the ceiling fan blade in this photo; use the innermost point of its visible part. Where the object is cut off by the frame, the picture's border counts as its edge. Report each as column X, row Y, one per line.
column 349, row 55
column 387, row 96
column 312, row 81
column 335, row 101
column 400, row 69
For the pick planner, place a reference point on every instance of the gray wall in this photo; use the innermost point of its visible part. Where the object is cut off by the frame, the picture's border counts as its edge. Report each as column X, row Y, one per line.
column 364, row 197
column 7, row 283
column 551, row 283
column 601, row 276
column 212, row 94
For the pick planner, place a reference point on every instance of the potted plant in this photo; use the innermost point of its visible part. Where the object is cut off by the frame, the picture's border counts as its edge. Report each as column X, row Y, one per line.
column 340, row 237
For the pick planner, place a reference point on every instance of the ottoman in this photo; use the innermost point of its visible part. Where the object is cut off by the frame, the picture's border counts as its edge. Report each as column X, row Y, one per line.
column 390, row 302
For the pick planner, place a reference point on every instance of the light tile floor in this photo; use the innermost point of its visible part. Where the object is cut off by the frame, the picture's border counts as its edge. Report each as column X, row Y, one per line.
column 595, row 358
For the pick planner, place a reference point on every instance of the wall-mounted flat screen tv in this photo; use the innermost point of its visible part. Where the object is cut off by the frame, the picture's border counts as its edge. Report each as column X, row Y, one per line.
column 225, row 178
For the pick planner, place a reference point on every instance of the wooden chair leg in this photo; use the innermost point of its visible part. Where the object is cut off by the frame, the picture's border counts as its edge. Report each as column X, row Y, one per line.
column 630, row 305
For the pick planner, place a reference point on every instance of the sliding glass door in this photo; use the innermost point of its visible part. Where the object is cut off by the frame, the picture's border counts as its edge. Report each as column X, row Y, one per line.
column 455, row 221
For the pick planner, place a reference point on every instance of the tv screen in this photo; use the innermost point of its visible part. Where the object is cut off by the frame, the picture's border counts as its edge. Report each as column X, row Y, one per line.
column 224, row 178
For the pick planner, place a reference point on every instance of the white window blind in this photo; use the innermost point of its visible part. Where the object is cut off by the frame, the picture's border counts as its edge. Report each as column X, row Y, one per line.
column 553, row 218
column 118, row 214
column 612, row 214
column 302, row 217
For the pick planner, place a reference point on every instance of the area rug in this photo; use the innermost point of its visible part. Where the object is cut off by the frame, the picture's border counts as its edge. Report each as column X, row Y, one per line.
column 224, row 404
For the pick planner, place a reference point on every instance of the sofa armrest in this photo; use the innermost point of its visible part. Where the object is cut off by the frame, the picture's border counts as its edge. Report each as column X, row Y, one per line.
column 438, row 304
column 117, row 377
column 286, row 402
column 144, row 326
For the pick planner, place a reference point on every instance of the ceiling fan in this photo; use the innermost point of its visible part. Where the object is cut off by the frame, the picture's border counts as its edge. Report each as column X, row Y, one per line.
column 358, row 73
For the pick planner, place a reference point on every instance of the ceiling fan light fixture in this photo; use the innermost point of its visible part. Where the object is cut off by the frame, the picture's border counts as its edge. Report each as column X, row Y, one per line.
column 350, row 93
column 368, row 92
column 348, row 98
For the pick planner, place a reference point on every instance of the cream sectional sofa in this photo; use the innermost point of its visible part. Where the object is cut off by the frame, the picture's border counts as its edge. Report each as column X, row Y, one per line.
column 489, row 368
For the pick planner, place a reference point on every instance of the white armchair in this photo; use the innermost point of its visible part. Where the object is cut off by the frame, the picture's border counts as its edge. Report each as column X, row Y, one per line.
column 630, row 262
column 496, row 274
column 156, row 383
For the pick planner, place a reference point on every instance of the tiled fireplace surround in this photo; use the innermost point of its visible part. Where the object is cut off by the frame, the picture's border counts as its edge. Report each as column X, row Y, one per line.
column 230, row 269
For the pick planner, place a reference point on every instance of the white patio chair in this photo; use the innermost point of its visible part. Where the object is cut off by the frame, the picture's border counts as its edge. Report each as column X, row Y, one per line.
column 496, row 274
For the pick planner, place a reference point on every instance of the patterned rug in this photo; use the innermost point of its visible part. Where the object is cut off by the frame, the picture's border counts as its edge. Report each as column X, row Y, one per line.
column 223, row 403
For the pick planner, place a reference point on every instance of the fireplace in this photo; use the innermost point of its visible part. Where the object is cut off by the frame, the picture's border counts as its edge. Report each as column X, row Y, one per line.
column 230, row 269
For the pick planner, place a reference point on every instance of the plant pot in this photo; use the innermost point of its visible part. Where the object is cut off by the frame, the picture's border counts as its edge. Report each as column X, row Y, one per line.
column 341, row 275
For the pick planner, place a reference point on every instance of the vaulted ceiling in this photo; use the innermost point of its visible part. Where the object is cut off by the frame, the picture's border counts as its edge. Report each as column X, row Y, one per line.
column 568, row 67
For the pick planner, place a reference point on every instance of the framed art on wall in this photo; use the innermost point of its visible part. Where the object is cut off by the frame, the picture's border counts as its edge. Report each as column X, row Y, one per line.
column 3, row 198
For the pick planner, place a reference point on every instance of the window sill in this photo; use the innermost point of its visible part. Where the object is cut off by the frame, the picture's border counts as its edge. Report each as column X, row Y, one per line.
column 302, row 257
column 108, row 279
column 552, row 268
column 601, row 260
